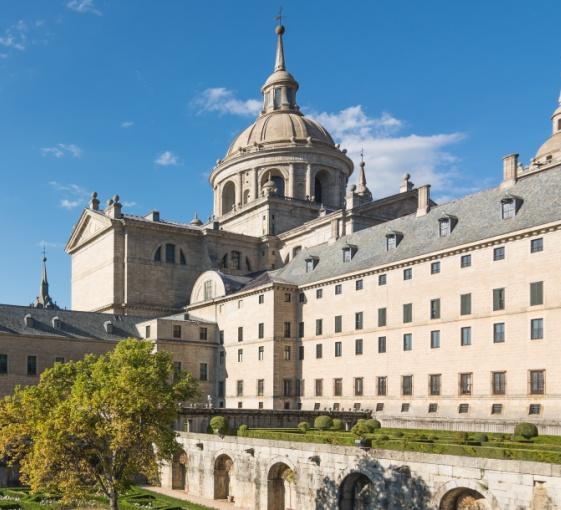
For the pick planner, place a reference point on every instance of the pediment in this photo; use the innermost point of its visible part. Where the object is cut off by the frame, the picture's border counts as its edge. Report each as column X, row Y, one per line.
column 90, row 225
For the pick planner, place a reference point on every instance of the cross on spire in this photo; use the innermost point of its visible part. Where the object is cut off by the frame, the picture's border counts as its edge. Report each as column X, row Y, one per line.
column 278, row 17
column 362, row 154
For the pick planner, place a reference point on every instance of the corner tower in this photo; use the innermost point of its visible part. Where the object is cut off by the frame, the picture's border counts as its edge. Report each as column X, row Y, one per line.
column 283, row 169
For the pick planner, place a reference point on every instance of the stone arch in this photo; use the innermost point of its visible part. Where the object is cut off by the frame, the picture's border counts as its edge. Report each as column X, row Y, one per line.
column 281, row 493
column 228, row 197
column 356, row 492
column 279, row 179
column 178, row 471
column 223, row 467
column 322, row 187
column 463, row 498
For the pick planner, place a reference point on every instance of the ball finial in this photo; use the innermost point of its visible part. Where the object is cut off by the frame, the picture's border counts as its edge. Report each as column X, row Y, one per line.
column 279, row 29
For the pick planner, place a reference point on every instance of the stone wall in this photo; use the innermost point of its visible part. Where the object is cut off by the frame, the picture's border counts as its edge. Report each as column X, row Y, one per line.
column 278, row 475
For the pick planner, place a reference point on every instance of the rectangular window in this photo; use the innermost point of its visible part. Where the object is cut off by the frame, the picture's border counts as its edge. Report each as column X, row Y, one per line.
column 221, row 337
column 261, row 353
column 435, row 267
column 239, row 388
column 358, row 320
column 433, row 408
column 3, row 364
column 31, row 365
column 300, row 352
column 147, row 332
column 435, row 308
column 261, row 298
column 463, row 408
column 319, row 327
column 435, row 339
column 287, row 330
column 379, row 407
column 240, row 355
column 536, row 293
column 408, row 273
column 359, row 285
column 319, row 387
column 508, row 209
column 496, row 409
column 176, row 331
column 498, row 299
column 536, row 329
column 260, row 387
column 535, row 409
column 337, row 387
column 359, row 386
column 499, row 253
column 358, row 346
column 444, row 225
column 338, row 289
column 338, row 323
column 407, row 342
column 434, row 384
column 319, row 351
column 408, row 312
column 287, row 297
column 170, row 253
column 381, row 344
column 498, row 383
column 319, row 293
column 221, row 358
column 498, row 332
column 287, row 353
column 221, row 388
column 382, row 317
column 465, row 261
column 537, row 382
column 301, row 329
column 382, row 279
column 536, row 245
column 203, row 333
column 260, row 330
column 465, row 304
column 203, row 372
column 302, row 297
column 465, row 384
column 208, row 290
column 287, row 387
column 338, row 349
column 240, row 334
column 407, row 385
column 381, row 386
column 465, row 336
column 405, row 407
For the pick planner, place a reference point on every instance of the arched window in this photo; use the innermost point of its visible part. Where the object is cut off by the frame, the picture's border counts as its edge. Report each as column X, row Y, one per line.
column 279, row 184
column 235, row 260
column 224, row 262
column 277, row 100
column 228, row 197
column 558, row 124
column 158, row 255
column 182, row 260
column 170, row 253
column 321, row 187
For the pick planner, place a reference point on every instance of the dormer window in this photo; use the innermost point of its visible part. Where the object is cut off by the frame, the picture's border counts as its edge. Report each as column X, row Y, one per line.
column 349, row 251
column 56, row 322
column 509, row 206
column 311, row 263
column 393, row 239
column 446, row 224
column 28, row 320
column 108, row 326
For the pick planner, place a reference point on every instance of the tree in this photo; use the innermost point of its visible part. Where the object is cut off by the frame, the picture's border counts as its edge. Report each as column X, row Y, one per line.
column 97, row 422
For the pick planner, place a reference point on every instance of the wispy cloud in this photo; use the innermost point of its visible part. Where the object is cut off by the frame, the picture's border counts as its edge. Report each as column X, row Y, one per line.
column 15, row 37
column 389, row 153
column 71, row 195
column 224, row 101
column 62, row 149
column 167, row 158
column 127, row 124
column 83, row 7
column 49, row 244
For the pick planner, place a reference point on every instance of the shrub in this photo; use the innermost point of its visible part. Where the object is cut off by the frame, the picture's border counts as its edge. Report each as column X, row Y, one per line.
column 219, row 425
column 398, row 433
column 337, row 424
column 323, row 422
column 303, row 426
column 462, row 437
column 9, row 505
column 480, row 437
column 373, row 424
column 526, row 430
column 360, row 429
column 384, row 437
column 242, row 429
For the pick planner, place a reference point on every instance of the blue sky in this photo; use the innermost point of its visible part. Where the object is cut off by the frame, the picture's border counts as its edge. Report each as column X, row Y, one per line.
column 141, row 97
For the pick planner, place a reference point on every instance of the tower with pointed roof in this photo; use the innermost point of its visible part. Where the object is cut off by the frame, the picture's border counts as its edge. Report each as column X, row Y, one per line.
column 44, row 300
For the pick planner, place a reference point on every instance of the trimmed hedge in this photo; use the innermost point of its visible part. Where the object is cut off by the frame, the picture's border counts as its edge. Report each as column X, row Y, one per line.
column 303, row 426
column 323, row 422
column 526, row 430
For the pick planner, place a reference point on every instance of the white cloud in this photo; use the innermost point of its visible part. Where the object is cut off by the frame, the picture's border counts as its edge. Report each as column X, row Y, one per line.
column 127, row 124
column 69, row 204
column 15, row 37
column 224, row 101
column 49, row 244
column 83, row 7
column 128, row 204
column 62, row 149
column 389, row 154
column 167, row 158
column 71, row 195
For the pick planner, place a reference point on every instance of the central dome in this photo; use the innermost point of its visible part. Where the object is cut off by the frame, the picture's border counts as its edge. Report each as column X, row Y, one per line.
column 280, row 127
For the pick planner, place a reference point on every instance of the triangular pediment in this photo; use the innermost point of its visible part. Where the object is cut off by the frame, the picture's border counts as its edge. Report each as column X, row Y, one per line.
column 90, row 225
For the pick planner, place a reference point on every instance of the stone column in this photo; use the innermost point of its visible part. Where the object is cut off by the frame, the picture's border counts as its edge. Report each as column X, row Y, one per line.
column 291, row 191
column 309, row 181
column 239, row 191
column 255, row 186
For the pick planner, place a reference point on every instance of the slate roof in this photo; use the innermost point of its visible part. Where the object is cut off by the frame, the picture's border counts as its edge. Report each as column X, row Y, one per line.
column 79, row 325
column 478, row 217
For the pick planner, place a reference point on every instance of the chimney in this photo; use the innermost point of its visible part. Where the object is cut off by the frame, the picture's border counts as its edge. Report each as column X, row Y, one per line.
column 510, row 165
column 423, row 200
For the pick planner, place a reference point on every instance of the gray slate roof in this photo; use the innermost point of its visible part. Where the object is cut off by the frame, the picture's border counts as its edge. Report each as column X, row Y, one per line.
column 79, row 325
column 478, row 217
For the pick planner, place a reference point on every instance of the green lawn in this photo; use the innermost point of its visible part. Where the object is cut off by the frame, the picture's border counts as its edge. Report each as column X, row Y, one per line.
column 135, row 499
column 492, row 446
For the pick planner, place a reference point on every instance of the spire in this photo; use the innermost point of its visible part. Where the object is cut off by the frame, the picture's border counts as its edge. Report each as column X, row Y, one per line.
column 43, row 300
column 279, row 60
column 362, row 188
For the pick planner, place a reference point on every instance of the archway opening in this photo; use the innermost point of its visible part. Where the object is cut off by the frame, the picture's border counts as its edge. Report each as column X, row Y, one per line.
column 178, row 471
column 280, row 488
column 228, row 197
column 463, row 498
column 356, row 493
column 222, row 471
column 321, row 187
column 278, row 180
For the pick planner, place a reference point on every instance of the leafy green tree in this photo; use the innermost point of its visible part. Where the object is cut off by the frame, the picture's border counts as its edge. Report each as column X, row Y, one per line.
column 96, row 423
